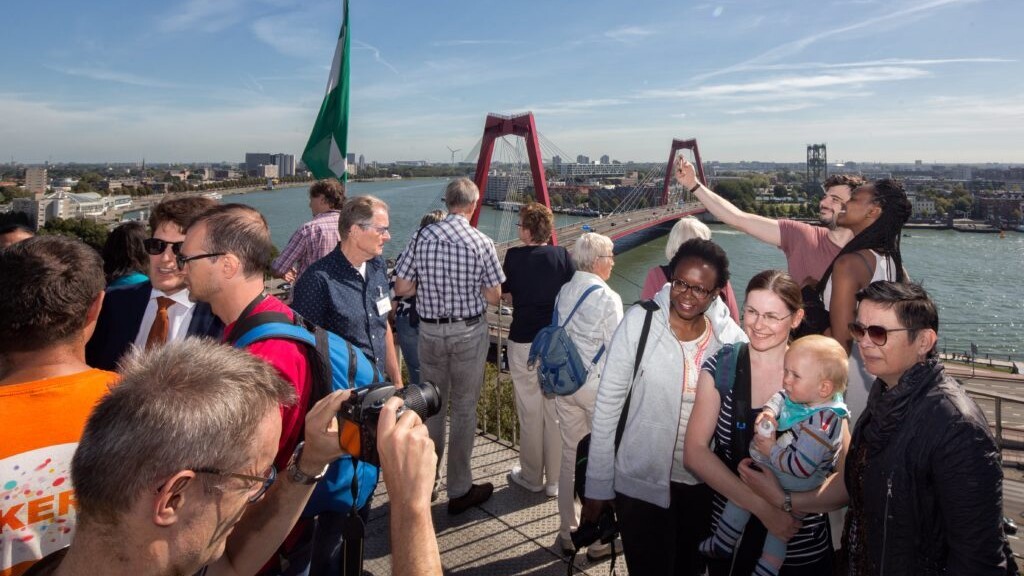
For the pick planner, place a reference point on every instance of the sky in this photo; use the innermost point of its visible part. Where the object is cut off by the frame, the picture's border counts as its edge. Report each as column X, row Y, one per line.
column 208, row 80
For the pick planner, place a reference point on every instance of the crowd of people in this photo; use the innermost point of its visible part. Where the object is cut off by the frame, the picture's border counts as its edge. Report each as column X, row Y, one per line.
column 142, row 436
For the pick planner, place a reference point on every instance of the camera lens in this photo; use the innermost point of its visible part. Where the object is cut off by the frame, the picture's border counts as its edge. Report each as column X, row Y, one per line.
column 423, row 399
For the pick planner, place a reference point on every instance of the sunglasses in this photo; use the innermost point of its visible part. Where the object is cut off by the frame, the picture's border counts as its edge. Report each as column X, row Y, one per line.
column 156, row 246
column 879, row 335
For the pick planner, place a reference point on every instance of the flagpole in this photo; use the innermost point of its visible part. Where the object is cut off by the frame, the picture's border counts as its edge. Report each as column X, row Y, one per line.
column 326, row 152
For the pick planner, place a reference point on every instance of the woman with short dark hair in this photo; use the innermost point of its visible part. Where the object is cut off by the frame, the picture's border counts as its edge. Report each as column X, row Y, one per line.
column 535, row 272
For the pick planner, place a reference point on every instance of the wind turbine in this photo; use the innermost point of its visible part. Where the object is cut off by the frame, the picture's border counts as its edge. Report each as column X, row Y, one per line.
column 453, row 153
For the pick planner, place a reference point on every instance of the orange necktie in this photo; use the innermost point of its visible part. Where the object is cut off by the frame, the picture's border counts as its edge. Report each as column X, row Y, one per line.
column 158, row 332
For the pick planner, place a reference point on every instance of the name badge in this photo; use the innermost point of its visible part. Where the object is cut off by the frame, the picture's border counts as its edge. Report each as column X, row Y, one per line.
column 383, row 306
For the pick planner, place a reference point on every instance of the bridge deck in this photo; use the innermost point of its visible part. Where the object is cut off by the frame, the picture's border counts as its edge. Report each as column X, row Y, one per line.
column 514, row 532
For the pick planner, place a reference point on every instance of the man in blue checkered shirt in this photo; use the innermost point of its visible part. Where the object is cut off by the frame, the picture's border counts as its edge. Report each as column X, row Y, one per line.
column 454, row 272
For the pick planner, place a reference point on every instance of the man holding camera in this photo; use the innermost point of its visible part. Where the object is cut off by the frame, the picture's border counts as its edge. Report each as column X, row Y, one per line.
column 202, row 496
column 225, row 256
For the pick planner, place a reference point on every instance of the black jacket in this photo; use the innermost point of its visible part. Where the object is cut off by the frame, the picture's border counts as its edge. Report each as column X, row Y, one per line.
column 930, row 498
column 121, row 316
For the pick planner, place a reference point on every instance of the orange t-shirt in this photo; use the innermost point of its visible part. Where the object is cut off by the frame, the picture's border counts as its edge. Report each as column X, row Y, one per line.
column 40, row 425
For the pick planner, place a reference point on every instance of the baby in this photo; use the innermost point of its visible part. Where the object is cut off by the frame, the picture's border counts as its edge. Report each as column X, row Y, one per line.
column 808, row 412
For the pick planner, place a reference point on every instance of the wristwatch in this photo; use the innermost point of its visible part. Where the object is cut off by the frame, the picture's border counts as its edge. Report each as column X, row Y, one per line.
column 295, row 474
column 787, row 502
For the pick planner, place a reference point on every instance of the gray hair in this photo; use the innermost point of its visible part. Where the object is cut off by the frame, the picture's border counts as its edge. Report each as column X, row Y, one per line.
column 358, row 211
column 589, row 247
column 461, row 192
column 686, row 228
column 187, row 405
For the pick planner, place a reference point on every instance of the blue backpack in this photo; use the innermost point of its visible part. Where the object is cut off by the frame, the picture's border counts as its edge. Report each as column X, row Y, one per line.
column 335, row 364
column 559, row 367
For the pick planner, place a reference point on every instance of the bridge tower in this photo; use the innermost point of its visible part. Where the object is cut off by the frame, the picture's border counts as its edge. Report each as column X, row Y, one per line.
column 817, row 164
column 677, row 145
column 495, row 127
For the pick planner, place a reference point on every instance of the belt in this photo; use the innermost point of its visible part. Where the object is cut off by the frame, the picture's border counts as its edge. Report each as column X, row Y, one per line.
column 469, row 320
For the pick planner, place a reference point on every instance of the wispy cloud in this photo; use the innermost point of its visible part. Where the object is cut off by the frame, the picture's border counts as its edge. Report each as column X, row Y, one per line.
column 106, row 75
column 475, row 42
column 795, row 47
column 359, row 45
column 628, row 34
column 204, row 15
column 575, row 106
column 786, row 85
column 777, row 109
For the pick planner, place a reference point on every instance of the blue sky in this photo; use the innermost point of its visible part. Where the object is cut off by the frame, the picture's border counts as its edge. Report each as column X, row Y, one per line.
column 208, row 80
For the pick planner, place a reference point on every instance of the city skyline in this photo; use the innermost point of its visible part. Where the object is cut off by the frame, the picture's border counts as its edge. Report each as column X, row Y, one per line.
column 208, row 80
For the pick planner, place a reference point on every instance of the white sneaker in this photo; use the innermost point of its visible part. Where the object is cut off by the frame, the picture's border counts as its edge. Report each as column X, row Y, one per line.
column 515, row 475
column 551, row 490
column 598, row 551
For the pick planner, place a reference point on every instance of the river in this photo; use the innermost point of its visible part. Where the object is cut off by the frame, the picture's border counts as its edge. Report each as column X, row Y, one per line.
column 975, row 279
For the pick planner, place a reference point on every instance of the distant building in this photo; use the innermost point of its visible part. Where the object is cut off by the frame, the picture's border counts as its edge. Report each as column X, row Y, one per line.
column 253, row 160
column 581, row 159
column 267, row 171
column 225, row 174
column 503, row 186
column 922, row 206
column 556, row 161
column 351, row 158
column 605, row 159
column 285, row 164
column 585, row 169
column 35, row 180
column 1000, row 205
column 362, row 161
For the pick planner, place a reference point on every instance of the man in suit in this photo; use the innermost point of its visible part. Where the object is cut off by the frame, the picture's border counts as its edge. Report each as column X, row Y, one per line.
column 151, row 313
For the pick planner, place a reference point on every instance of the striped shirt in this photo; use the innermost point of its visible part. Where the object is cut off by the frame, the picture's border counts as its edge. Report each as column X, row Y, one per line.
column 811, row 543
column 311, row 242
column 450, row 263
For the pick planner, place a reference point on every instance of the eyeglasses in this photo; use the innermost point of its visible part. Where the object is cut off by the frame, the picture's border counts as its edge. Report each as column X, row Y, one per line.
column 156, row 246
column 681, row 287
column 182, row 260
column 879, row 335
column 769, row 318
column 382, row 230
column 264, row 482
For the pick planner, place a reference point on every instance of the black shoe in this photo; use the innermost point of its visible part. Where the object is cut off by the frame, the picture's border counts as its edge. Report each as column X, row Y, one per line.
column 478, row 494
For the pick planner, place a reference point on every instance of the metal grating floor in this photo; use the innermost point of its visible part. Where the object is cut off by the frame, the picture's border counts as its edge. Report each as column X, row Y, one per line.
column 512, row 533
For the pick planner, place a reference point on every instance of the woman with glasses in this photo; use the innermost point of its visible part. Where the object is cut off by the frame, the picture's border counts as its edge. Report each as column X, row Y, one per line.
column 534, row 273
column 734, row 386
column 922, row 475
column 663, row 510
column 876, row 214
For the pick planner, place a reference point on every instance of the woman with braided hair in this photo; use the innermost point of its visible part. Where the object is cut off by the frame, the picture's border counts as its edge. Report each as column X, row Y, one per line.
column 875, row 213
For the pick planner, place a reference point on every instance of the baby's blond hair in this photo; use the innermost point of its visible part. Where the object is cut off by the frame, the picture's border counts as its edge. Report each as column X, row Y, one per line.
column 831, row 358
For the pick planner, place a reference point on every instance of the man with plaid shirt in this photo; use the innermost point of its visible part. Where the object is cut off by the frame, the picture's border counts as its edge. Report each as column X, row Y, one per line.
column 454, row 272
column 316, row 238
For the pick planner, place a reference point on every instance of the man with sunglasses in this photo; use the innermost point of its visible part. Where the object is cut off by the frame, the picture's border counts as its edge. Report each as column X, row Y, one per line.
column 151, row 313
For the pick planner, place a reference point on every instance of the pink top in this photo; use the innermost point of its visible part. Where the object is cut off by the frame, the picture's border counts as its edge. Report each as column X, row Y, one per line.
column 656, row 279
column 808, row 249
column 311, row 242
column 289, row 359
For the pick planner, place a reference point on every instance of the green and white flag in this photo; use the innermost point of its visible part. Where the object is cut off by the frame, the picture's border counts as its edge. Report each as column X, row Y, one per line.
column 326, row 152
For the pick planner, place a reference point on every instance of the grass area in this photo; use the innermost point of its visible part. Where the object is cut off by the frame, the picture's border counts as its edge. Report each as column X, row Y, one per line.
column 496, row 411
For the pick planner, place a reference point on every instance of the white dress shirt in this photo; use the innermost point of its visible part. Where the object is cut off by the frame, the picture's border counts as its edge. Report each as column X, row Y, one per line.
column 179, row 315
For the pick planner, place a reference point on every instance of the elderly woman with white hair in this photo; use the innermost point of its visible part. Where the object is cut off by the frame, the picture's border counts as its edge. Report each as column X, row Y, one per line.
column 686, row 228
column 590, row 328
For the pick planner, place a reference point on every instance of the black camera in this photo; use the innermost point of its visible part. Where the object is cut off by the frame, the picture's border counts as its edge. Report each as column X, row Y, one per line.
column 360, row 413
column 605, row 530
